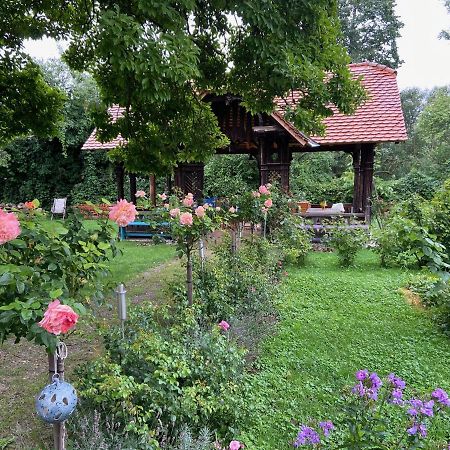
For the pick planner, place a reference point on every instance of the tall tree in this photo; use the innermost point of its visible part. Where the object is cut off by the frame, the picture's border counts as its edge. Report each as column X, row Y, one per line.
column 157, row 59
column 445, row 34
column 28, row 103
column 370, row 29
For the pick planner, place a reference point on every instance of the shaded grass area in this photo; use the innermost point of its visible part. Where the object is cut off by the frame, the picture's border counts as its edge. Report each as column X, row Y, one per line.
column 333, row 322
column 144, row 268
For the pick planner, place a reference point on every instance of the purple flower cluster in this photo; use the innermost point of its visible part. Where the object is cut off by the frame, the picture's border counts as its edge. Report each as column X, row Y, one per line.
column 421, row 410
column 441, row 397
column 309, row 436
column 398, row 386
column 367, row 385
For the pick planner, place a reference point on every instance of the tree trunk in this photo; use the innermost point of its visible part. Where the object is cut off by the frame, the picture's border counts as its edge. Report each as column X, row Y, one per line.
column 153, row 190
column 59, row 429
column 189, row 279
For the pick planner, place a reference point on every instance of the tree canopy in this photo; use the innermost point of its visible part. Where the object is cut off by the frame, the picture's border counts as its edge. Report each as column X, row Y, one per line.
column 370, row 29
column 28, row 103
column 157, row 59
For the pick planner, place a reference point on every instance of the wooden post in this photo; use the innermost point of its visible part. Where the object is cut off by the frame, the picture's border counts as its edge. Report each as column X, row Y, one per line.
column 152, row 186
column 367, row 157
column 133, row 188
column 357, row 185
column 120, row 181
column 59, row 429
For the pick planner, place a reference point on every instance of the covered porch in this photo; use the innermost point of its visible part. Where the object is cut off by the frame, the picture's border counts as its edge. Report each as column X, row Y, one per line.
column 271, row 140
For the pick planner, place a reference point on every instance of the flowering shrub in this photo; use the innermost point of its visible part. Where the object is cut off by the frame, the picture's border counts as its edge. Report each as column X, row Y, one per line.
column 378, row 415
column 164, row 373
column 346, row 242
column 49, row 260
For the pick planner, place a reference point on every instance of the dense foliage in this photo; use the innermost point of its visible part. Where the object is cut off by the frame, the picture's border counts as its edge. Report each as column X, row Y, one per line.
column 28, row 103
column 165, row 372
column 45, row 169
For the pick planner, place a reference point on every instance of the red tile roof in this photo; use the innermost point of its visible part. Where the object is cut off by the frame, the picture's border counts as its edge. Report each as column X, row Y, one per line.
column 93, row 144
column 379, row 119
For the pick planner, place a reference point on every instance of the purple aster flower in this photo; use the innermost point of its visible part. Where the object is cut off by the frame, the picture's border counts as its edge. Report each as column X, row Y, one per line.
column 397, row 382
column 413, row 430
column 397, row 397
column 423, row 430
column 376, row 381
column 359, row 389
column 416, row 404
column 307, row 435
column 326, row 427
column 427, row 408
column 441, row 396
column 361, row 375
column 372, row 394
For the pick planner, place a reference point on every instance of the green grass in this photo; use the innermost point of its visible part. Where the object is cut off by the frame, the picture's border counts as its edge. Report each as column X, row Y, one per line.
column 333, row 322
column 138, row 257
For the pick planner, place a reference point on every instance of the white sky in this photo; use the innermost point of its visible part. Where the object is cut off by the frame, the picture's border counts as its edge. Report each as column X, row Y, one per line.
column 426, row 57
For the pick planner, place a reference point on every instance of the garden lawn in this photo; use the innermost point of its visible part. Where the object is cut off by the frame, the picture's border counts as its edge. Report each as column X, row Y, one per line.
column 333, row 322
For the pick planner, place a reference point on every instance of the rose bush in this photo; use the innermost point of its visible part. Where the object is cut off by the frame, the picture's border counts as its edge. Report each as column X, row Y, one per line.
column 49, row 260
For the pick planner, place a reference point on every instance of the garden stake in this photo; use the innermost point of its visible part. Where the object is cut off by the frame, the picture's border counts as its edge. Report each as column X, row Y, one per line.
column 122, row 306
column 56, row 366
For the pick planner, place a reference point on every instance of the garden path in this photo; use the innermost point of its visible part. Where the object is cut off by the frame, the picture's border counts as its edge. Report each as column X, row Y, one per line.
column 23, row 366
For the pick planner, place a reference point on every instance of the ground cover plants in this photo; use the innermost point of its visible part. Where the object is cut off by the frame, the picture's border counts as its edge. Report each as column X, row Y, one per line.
column 332, row 322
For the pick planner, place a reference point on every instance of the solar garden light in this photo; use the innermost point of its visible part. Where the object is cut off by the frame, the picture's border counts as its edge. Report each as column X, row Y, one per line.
column 122, row 305
column 201, row 251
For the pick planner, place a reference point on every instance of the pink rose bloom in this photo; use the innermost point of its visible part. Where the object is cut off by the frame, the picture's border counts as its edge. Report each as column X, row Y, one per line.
column 140, row 194
column 186, row 219
column 190, row 195
column 188, row 201
column 268, row 203
column 268, row 185
column 123, row 213
column 206, row 206
column 256, row 194
column 9, row 226
column 224, row 325
column 58, row 318
column 235, row 445
column 263, row 190
column 232, row 210
column 162, row 196
column 200, row 212
column 175, row 212
column 166, row 205
column 217, row 208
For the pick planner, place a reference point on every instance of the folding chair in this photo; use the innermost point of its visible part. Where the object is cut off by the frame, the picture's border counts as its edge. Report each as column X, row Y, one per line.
column 59, row 207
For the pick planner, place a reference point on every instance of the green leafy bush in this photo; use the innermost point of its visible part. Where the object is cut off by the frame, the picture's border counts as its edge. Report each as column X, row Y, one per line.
column 346, row 241
column 51, row 260
column 243, row 283
column 405, row 243
column 294, row 241
column 440, row 217
column 166, row 371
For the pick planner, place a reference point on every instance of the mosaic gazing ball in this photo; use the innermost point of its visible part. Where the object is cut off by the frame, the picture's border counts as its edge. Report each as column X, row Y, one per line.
column 56, row 402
